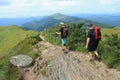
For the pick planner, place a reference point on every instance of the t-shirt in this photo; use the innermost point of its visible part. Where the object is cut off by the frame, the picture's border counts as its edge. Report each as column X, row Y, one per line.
column 90, row 35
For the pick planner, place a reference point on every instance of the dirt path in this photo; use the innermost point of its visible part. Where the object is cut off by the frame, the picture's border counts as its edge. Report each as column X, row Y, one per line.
column 71, row 66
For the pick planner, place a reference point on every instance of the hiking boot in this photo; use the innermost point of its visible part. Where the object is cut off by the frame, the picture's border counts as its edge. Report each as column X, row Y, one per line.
column 98, row 59
column 63, row 49
column 91, row 60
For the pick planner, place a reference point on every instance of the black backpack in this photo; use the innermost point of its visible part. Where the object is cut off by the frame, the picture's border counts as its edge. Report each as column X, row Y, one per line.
column 65, row 32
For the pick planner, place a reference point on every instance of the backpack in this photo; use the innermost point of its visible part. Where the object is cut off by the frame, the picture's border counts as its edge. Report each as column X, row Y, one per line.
column 65, row 32
column 97, row 33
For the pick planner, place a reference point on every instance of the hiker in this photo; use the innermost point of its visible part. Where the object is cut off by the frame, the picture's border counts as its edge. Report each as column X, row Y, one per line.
column 63, row 32
column 92, row 43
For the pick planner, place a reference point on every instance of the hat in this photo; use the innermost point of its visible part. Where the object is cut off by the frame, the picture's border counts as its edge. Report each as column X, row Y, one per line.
column 61, row 23
column 90, row 25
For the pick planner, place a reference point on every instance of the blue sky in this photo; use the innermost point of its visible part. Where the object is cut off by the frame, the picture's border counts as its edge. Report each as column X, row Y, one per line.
column 28, row 8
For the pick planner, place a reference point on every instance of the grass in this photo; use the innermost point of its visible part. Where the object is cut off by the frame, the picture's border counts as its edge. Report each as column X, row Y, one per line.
column 10, row 36
column 43, row 71
column 109, row 47
column 110, row 31
column 14, row 40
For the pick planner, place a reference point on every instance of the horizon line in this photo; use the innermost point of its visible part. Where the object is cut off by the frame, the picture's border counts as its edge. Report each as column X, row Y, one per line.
column 63, row 14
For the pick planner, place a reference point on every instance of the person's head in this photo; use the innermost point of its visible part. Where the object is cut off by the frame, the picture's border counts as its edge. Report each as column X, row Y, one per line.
column 62, row 24
column 90, row 26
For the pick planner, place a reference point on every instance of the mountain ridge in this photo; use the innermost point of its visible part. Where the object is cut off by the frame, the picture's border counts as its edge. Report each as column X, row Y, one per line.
column 52, row 20
column 104, row 19
column 108, row 19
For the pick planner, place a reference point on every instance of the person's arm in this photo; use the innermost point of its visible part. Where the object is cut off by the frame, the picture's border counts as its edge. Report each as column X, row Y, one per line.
column 87, row 42
column 58, row 33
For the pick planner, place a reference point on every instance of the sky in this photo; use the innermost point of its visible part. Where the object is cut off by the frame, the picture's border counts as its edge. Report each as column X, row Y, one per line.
column 32, row 8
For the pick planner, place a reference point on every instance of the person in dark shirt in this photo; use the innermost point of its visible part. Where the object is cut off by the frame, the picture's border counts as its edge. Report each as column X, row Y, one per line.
column 63, row 33
column 91, row 43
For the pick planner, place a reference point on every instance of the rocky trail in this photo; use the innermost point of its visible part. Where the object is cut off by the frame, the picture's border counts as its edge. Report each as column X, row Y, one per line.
column 53, row 64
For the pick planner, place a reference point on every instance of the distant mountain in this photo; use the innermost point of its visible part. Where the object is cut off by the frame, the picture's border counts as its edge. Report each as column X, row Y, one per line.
column 110, row 20
column 52, row 20
column 16, row 21
column 40, row 22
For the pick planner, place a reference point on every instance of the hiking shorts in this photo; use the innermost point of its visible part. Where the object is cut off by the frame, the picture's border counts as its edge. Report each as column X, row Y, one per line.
column 92, row 46
column 63, row 40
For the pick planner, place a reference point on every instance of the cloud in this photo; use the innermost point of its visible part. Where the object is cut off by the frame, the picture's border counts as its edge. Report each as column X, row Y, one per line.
column 109, row 2
column 110, row 6
column 44, row 7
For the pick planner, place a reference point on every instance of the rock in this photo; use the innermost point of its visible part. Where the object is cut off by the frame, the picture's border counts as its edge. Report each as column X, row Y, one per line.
column 21, row 60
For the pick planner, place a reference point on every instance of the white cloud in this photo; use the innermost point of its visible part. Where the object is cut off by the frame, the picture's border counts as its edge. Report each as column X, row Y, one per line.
column 42, row 7
column 38, row 6
column 110, row 6
column 109, row 2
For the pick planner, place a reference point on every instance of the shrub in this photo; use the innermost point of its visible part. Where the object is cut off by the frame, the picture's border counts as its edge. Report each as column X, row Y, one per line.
column 110, row 51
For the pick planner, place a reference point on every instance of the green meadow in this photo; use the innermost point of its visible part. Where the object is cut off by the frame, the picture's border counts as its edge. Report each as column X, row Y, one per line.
column 14, row 40
column 10, row 36
column 110, row 31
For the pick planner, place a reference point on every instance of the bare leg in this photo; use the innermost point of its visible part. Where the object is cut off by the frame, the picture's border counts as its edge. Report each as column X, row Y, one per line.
column 96, row 53
column 91, row 56
column 64, row 47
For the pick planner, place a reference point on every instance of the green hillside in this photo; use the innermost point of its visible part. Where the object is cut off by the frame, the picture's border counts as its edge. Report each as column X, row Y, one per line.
column 53, row 20
column 50, row 21
column 10, row 36
column 110, row 31
column 73, row 42
column 109, row 47
column 13, row 41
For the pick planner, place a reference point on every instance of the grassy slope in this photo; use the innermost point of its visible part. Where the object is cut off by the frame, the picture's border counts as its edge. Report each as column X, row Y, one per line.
column 10, row 36
column 108, row 54
column 111, row 49
column 110, row 31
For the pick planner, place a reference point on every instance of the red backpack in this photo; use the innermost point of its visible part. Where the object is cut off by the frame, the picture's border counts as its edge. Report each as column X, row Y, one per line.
column 97, row 33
